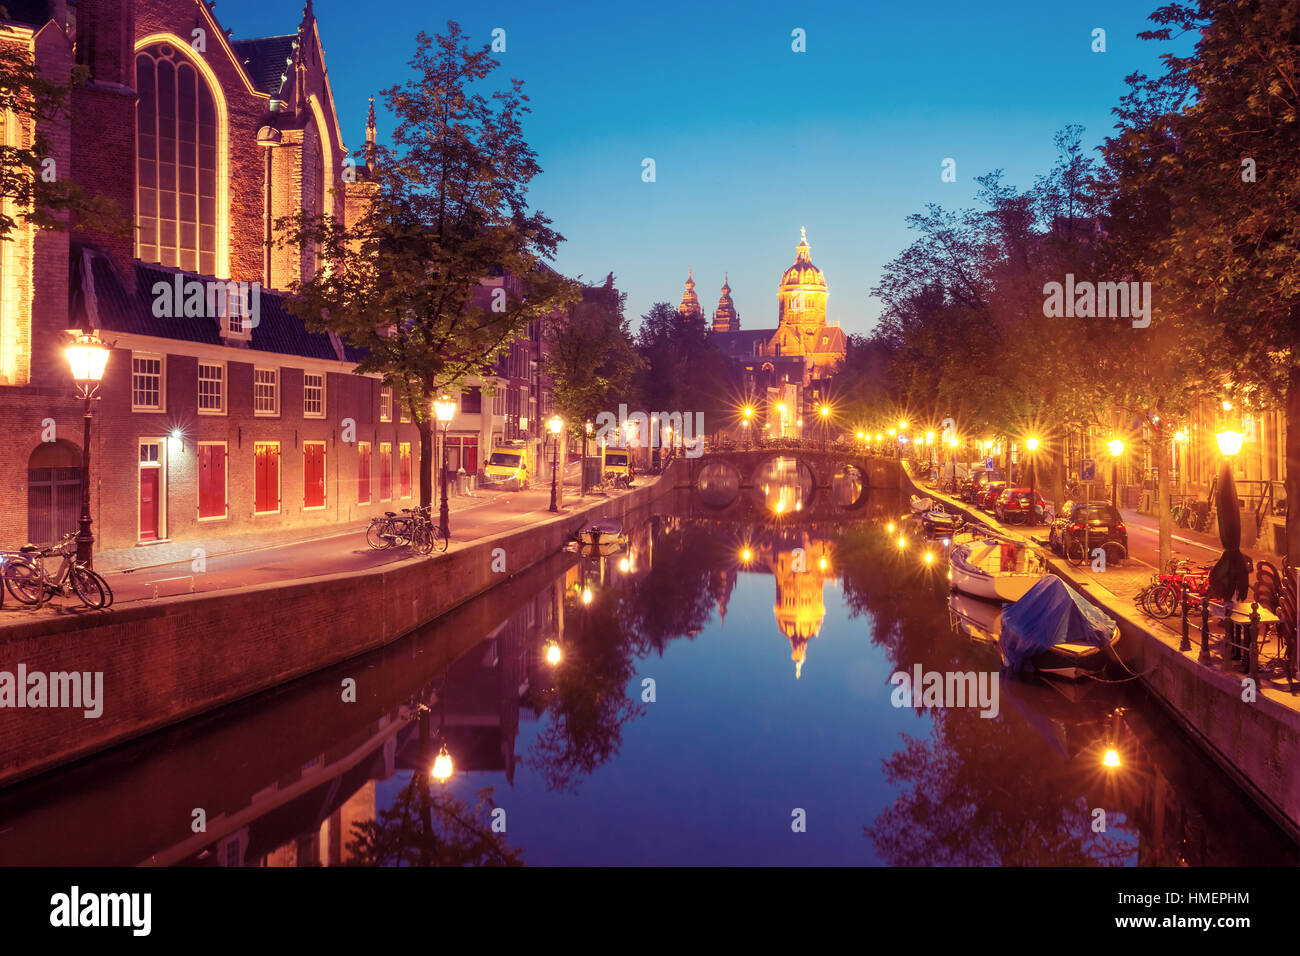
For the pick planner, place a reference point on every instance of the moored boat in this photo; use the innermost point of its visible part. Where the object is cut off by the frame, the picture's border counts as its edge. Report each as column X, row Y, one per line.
column 602, row 531
column 921, row 505
column 994, row 568
column 1055, row 630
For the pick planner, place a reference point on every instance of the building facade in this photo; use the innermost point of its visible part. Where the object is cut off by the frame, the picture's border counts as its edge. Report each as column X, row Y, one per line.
column 220, row 413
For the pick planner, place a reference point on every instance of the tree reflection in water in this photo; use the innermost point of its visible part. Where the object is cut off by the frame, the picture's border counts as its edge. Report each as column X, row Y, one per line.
column 427, row 825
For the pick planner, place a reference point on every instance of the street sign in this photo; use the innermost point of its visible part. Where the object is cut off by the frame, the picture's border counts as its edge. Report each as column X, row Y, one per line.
column 1088, row 469
column 988, row 463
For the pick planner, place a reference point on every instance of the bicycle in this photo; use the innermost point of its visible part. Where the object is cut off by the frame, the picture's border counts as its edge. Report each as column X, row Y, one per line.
column 29, row 581
column 1180, row 578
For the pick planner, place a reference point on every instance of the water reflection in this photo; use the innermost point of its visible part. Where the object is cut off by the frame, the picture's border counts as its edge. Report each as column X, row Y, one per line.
column 635, row 704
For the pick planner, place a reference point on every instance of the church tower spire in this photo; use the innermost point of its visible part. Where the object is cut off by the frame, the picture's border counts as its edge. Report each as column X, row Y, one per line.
column 690, row 306
column 725, row 316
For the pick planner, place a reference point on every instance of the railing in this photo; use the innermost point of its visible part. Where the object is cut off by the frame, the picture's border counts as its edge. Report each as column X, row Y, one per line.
column 1241, row 644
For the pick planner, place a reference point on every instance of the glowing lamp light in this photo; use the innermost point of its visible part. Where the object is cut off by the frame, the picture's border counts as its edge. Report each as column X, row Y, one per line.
column 553, row 653
column 861, row 435
column 87, row 358
column 746, row 555
column 1180, row 435
column 1111, row 759
column 825, row 411
column 902, row 425
column 902, row 543
column 780, row 506
column 1116, row 447
column 891, row 527
column 555, row 424
column 799, row 423
column 880, row 437
column 929, row 557
column 624, row 564
column 952, row 442
column 929, row 438
column 1227, row 405
column 1229, row 442
column 176, row 440
column 822, row 564
column 1032, row 444
column 892, row 432
column 586, row 595
column 781, row 408
column 444, row 408
column 442, row 766
column 749, row 411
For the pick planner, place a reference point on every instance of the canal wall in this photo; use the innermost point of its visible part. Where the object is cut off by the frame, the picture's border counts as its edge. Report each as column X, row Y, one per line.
column 169, row 660
column 1257, row 743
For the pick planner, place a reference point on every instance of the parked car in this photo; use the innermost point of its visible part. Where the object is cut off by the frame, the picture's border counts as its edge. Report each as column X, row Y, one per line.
column 1094, row 524
column 1019, row 504
column 979, row 485
column 989, row 495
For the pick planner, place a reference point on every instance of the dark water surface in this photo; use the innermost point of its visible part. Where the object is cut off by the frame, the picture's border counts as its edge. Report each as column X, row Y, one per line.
column 772, row 736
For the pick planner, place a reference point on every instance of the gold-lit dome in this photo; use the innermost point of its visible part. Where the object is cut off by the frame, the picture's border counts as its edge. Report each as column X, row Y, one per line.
column 803, row 274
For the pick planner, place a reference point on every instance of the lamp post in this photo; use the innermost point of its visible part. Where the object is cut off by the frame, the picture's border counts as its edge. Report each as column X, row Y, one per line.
column 87, row 358
column 825, row 412
column 748, row 413
column 1116, row 449
column 555, row 425
column 586, row 436
column 444, row 407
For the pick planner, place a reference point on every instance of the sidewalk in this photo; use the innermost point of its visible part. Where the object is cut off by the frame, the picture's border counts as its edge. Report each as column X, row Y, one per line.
column 1115, row 587
column 155, row 572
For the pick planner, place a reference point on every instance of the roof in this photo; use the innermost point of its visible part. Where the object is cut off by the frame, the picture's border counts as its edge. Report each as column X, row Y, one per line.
column 130, row 310
column 742, row 343
column 264, row 59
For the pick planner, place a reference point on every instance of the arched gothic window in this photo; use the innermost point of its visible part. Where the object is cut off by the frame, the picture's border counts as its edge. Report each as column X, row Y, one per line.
column 176, row 150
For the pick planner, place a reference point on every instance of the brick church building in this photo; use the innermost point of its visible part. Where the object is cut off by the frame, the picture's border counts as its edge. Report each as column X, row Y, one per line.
column 205, row 426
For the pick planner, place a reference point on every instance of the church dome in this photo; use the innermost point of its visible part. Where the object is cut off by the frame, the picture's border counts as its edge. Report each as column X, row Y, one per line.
column 803, row 274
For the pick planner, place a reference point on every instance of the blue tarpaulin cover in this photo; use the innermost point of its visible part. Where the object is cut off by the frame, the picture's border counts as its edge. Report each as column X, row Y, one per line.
column 1051, row 613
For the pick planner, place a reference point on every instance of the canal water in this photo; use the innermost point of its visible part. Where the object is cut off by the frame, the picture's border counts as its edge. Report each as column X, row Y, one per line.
column 710, row 693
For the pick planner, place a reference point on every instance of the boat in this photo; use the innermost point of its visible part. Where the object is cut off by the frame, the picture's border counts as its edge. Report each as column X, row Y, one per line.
column 1054, row 630
column 937, row 522
column 921, row 505
column 976, row 618
column 999, row 569
column 602, row 531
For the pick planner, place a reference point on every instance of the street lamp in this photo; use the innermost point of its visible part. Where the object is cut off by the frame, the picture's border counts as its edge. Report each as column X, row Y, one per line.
column 586, row 437
column 1116, row 449
column 443, row 408
column 87, row 358
column 1031, row 445
column 556, row 426
column 442, row 765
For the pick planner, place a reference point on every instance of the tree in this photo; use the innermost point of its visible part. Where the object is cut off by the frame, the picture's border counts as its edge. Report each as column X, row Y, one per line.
column 683, row 369
column 445, row 210
column 590, row 355
column 1210, row 145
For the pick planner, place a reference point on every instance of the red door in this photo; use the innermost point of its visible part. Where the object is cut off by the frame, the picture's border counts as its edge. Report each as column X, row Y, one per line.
column 313, row 475
column 149, row 503
column 363, row 473
column 212, row 481
column 267, row 477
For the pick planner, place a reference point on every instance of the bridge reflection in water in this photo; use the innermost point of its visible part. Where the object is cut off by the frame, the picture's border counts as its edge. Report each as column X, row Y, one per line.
column 753, row 485
column 539, row 693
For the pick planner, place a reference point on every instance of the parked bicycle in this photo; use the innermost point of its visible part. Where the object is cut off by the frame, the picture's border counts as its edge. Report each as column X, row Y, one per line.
column 413, row 527
column 1164, row 595
column 28, row 579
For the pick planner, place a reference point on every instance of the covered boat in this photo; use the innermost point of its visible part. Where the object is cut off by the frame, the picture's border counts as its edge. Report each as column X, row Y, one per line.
column 1053, row 629
column 995, row 568
column 921, row 505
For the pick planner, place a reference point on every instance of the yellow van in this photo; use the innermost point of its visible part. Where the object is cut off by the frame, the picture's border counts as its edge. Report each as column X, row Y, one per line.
column 507, row 467
column 617, row 466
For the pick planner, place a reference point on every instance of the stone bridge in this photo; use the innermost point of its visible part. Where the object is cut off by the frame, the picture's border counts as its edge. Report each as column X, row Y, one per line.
column 803, row 483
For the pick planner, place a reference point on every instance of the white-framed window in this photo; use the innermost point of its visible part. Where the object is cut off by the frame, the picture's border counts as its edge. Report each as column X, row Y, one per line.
column 385, row 404
column 266, row 391
column 212, row 388
column 313, row 394
column 146, row 382
column 405, row 414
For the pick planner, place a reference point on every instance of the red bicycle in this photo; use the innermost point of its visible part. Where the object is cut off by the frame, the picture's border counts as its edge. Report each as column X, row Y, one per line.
column 1165, row 596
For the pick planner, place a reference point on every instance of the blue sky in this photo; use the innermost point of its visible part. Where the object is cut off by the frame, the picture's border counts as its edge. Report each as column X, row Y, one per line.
column 750, row 139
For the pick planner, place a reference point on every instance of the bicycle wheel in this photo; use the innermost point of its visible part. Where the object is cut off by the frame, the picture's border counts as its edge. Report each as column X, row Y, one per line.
column 424, row 538
column 25, row 583
column 440, row 540
column 86, row 584
column 375, row 535
column 1074, row 552
column 1163, row 601
column 103, row 583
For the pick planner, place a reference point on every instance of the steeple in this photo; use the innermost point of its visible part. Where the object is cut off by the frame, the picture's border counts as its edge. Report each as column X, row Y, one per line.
column 370, row 136
column 690, row 307
column 725, row 316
